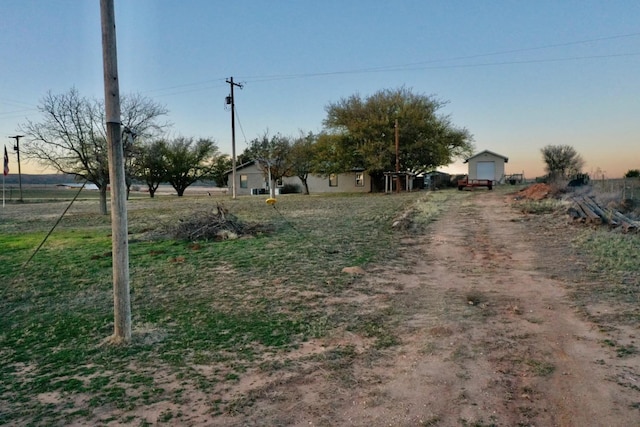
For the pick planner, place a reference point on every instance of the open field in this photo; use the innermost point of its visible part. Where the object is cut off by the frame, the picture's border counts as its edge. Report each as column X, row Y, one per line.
column 449, row 324
column 39, row 193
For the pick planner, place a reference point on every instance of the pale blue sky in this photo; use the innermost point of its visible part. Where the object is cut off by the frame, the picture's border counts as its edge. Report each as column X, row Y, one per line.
column 518, row 74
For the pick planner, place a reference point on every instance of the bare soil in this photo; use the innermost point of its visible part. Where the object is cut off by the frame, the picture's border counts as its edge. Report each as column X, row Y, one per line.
column 488, row 333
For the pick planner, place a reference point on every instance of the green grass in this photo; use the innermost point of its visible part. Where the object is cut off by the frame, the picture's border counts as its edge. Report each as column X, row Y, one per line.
column 539, row 207
column 613, row 259
column 228, row 305
column 612, row 252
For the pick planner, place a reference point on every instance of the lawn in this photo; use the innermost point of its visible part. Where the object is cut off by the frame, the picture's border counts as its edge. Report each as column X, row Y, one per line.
column 204, row 313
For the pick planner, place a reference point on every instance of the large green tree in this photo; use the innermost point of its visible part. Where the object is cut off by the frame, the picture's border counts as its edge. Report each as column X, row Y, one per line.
column 365, row 128
column 188, row 161
column 149, row 164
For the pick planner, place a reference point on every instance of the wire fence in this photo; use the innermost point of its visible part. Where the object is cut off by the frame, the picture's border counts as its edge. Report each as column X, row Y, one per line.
column 622, row 188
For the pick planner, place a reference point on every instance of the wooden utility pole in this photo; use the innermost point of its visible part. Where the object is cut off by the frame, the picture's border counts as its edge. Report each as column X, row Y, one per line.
column 119, row 239
column 16, row 148
column 232, row 101
column 397, row 157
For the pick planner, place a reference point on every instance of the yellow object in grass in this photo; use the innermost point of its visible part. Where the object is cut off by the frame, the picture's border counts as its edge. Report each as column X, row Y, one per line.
column 271, row 201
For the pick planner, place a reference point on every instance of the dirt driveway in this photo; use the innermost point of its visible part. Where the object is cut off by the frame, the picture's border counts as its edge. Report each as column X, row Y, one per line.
column 488, row 336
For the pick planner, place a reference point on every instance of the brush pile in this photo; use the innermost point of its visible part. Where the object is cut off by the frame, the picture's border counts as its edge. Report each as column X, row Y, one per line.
column 217, row 224
column 587, row 210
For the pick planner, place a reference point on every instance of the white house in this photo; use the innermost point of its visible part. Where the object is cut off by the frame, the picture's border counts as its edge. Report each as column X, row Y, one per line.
column 487, row 165
column 251, row 180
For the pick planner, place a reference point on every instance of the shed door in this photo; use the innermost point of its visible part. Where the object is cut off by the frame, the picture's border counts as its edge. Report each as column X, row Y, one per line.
column 486, row 170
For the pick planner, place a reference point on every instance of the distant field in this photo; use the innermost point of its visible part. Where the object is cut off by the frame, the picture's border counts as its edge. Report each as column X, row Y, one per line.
column 34, row 193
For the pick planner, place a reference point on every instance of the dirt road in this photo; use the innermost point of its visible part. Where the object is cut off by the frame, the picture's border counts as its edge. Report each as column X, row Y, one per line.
column 488, row 336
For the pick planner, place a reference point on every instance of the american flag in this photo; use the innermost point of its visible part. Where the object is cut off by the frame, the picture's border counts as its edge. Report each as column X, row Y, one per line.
column 6, row 161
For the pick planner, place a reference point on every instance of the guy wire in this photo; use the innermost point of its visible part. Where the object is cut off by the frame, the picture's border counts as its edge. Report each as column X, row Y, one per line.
column 54, row 225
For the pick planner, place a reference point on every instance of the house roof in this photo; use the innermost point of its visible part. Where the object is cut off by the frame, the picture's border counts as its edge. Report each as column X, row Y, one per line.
column 242, row 166
column 506, row 159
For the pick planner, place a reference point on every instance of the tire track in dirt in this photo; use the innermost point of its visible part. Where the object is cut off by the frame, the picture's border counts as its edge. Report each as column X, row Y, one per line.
column 489, row 337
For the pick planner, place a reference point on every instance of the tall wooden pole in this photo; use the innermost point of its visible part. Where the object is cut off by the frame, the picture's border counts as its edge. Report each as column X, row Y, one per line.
column 119, row 240
column 397, row 157
column 17, row 150
column 233, row 137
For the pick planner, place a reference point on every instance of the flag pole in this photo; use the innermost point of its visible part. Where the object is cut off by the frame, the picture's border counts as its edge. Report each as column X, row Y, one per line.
column 5, row 170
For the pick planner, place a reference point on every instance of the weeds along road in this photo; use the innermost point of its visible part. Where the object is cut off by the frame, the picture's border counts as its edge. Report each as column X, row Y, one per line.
column 488, row 336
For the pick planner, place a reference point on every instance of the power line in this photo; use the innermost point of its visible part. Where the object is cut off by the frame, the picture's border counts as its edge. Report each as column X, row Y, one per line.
column 416, row 65
column 240, row 124
column 421, row 65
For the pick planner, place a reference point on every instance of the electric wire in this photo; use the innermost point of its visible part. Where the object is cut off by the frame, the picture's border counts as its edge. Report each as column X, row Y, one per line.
column 240, row 124
column 421, row 65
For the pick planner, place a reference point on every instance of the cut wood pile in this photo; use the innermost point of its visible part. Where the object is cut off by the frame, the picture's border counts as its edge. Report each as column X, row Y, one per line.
column 586, row 210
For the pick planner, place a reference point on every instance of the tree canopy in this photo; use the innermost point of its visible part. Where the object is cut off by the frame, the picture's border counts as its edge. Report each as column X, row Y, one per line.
column 272, row 155
column 301, row 157
column 188, row 161
column 561, row 161
column 219, row 170
column 363, row 133
column 149, row 164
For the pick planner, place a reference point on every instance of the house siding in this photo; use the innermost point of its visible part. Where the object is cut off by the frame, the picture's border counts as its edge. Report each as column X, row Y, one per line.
column 255, row 179
column 483, row 157
column 346, row 183
column 317, row 184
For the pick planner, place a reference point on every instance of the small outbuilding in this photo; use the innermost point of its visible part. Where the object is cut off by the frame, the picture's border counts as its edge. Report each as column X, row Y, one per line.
column 487, row 165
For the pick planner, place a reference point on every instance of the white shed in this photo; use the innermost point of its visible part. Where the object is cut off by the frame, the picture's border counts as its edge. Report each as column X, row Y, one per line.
column 487, row 165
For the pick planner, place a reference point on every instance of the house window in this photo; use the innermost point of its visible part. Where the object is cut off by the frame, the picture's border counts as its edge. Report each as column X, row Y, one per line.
column 244, row 181
column 333, row 180
column 279, row 183
column 359, row 179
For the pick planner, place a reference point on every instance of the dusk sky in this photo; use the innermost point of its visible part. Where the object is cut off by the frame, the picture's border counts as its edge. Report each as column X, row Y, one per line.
column 518, row 75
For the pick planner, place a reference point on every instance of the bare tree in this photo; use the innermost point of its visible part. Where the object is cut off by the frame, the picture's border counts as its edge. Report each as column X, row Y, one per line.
column 71, row 136
column 562, row 161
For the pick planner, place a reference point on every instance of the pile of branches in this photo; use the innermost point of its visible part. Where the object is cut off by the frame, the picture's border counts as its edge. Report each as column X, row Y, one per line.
column 587, row 210
column 217, row 224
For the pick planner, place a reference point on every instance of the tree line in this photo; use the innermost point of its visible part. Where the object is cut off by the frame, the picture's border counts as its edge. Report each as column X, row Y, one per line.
column 70, row 137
